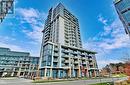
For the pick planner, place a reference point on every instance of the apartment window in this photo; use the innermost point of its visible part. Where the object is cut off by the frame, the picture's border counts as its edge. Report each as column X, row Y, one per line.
column 129, row 25
column 126, row 15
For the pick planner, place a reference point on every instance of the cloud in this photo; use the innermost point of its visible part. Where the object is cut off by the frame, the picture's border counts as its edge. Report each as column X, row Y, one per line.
column 11, row 46
column 112, row 37
column 116, row 38
column 103, row 63
column 35, row 35
column 27, row 13
column 35, row 19
column 4, row 42
column 31, row 15
column 6, row 38
column 102, row 19
column 28, row 22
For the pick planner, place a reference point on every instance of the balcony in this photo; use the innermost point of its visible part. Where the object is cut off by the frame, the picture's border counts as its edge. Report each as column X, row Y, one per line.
column 26, row 70
column 76, row 62
column 55, row 60
column 56, row 54
column 90, row 63
column 83, row 63
column 65, row 51
column 65, row 56
column 55, row 49
column 55, row 65
column 74, row 52
column 75, row 57
column 83, row 58
column 76, row 67
column 92, row 68
column 22, row 70
column 65, row 65
column 90, row 59
column 82, row 54
column 66, row 61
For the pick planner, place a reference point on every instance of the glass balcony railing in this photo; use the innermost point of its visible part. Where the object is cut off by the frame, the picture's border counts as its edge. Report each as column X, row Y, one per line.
column 66, row 61
column 65, row 56
column 56, row 49
column 65, row 65
column 91, row 63
column 55, row 60
column 75, row 57
column 90, row 59
column 65, row 51
column 83, row 58
column 56, row 54
column 55, row 65
column 76, row 62
column 83, row 62
column 76, row 67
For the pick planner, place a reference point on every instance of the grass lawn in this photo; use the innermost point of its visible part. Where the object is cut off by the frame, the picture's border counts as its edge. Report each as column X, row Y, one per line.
column 47, row 81
column 119, row 75
column 107, row 83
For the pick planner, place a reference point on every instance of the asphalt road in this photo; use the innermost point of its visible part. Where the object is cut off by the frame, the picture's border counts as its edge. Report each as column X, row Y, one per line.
column 20, row 81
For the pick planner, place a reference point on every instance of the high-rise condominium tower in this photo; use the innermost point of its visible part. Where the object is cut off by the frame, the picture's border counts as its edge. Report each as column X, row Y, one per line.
column 62, row 27
column 62, row 54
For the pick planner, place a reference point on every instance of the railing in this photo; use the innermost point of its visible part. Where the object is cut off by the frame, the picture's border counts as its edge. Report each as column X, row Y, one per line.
column 83, row 62
column 76, row 67
column 76, row 62
column 75, row 57
column 66, row 61
column 91, row 63
column 55, row 60
column 56, row 49
column 83, row 58
column 56, row 54
column 66, row 51
column 65, row 56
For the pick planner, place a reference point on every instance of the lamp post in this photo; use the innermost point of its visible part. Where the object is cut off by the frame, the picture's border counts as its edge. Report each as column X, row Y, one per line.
column 110, row 72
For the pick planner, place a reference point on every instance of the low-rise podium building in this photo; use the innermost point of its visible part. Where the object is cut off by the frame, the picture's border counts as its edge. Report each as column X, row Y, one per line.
column 14, row 63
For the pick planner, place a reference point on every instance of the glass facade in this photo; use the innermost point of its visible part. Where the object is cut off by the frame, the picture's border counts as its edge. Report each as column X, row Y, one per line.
column 123, row 9
column 17, row 63
column 47, row 55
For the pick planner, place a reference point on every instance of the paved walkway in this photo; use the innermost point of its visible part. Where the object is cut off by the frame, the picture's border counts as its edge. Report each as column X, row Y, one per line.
column 15, row 81
column 21, row 81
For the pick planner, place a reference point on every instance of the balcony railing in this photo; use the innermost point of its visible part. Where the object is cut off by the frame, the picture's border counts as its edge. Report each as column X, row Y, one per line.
column 83, row 58
column 83, row 62
column 90, row 59
column 91, row 63
column 65, row 56
column 65, row 51
column 56, row 54
column 76, row 67
column 75, row 57
column 55, row 49
column 55, row 60
column 66, row 61
column 76, row 62
column 65, row 65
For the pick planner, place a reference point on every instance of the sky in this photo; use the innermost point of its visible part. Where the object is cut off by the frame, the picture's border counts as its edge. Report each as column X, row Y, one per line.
column 101, row 29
